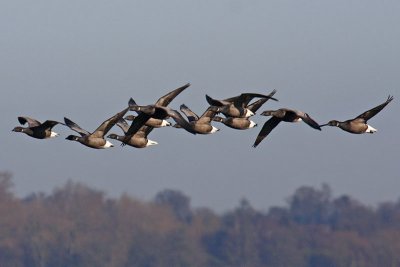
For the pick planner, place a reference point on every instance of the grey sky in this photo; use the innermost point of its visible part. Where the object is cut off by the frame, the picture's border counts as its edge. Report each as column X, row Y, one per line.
column 84, row 59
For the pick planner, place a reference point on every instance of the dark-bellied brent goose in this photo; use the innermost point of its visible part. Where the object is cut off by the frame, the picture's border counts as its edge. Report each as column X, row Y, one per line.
column 138, row 140
column 359, row 125
column 202, row 124
column 236, row 106
column 96, row 139
column 283, row 114
column 36, row 129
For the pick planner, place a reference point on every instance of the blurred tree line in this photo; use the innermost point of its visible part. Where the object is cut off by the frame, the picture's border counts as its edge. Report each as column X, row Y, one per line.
column 78, row 226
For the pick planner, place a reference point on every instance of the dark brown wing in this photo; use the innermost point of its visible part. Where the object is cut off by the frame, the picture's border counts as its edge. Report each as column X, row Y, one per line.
column 165, row 100
column 238, row 98
column 372, row 112
column 307, row 119
column 108, row 124
column 144, row 131
column 244, row 99
column 31, row 122
column 49, row 124
column 269, row 125
column 217, row 103
column 75, row 127
column 132, row 102
column 231, row 99
column 178, row 118
column 256, row 105
column 130, row 117
column 123, row 125
column 137, row 123
column 189, row 113
column 208, row 115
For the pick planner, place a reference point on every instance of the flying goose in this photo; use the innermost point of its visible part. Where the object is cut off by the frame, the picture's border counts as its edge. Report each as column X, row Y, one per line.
column 157, row 111
column 155, row 123
column 283, row 114
column 96, row 139
column 359, row 125
column 138, row 140
column 202, row 124
column 36, row 129
column 257, row 104
column 236, row 123
column 244, row 123
column 236, row 106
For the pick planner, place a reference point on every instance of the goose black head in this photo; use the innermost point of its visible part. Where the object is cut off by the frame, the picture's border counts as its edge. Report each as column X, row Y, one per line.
column 331, row 123
column 18, row 129
column 130, row 117
column 218, row 119
column 72, row 138
column 113, row 136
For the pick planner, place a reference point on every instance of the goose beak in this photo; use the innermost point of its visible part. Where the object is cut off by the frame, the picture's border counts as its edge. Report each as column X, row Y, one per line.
column 324, row 125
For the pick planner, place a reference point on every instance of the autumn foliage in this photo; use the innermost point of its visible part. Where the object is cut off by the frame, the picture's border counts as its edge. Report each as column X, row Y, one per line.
column 78, row 226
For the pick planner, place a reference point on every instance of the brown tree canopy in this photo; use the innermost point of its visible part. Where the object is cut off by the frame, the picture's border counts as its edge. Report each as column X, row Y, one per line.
column 78, row 226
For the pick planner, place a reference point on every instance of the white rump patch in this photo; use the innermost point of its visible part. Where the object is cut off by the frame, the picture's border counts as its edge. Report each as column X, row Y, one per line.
column 151, row 142
column 214, row 129
column 252, row 124
column 53, row 134
column 370, row 129
column 165, row 123
column 108, row 144
column 249, row 113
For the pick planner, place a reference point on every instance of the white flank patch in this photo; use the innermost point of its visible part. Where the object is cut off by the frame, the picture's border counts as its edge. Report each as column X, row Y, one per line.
column 370, row 129
column 108, row 144
column 249, row 113
column 214, row 129
column 53, row 134
column 165, row 123
column 151, row 143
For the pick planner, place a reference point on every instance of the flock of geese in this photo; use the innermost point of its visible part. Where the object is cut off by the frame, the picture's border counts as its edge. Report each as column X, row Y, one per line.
column 236, row 110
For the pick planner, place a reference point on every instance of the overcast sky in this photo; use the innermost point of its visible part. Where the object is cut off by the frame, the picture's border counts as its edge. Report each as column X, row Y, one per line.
column 85, row 59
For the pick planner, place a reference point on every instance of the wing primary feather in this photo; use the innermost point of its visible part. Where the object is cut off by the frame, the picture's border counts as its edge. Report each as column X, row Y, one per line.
column 166, row 99
column 31, row 122
column 177, row 117
column 189, row 113
column 372, row 112
column 307, row 119
column 75, row 127
column 268, row 126
column 137, row 123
